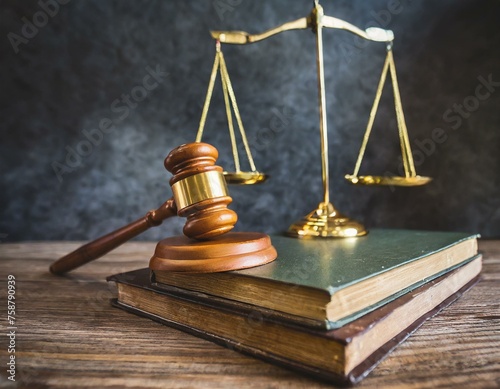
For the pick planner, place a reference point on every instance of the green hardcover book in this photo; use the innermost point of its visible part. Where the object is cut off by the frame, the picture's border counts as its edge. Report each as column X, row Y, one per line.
column 327, row 283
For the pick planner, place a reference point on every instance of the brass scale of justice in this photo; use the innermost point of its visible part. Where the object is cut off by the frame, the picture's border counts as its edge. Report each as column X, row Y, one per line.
column 199, row 185
column 325, row 220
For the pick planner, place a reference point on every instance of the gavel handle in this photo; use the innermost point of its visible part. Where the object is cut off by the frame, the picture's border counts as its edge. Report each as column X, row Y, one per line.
column 106, row 243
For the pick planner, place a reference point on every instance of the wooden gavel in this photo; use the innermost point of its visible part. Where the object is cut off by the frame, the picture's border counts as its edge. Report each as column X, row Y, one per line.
column 200, row 194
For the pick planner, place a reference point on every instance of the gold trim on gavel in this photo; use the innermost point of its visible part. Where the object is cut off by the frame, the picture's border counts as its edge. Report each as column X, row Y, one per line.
column 199, row 187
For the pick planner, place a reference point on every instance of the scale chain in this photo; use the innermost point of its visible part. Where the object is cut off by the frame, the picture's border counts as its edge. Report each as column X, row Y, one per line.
column 229, row 99
column 230, row 125
column 225, row 75
column 208, row 97
column 403, row 132
column 371, row 120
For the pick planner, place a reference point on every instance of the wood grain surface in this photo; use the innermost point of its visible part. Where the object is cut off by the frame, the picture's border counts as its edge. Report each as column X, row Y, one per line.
column 69, row 336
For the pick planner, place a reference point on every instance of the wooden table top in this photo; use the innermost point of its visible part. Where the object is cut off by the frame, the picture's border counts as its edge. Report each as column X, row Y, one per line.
column 69, row 336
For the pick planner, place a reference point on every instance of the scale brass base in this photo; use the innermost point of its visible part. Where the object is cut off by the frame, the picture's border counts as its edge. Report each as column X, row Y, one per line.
column 326, row 222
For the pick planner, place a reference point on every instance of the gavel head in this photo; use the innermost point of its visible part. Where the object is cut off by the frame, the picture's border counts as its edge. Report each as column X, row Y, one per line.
column 200, row 190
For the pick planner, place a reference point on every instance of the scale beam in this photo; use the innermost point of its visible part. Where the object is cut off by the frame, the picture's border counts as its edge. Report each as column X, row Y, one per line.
column 374, row 34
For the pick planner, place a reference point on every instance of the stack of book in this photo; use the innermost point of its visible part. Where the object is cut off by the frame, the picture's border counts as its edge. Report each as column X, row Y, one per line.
column 330, row 308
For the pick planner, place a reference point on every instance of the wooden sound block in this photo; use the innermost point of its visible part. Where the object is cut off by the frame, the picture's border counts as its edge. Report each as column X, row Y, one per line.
column 231, row 251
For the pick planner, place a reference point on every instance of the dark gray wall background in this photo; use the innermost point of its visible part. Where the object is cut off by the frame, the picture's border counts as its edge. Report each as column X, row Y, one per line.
column 65, row 79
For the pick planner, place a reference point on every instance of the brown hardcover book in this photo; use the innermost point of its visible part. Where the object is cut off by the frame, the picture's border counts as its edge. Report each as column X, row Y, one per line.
column 344, row 355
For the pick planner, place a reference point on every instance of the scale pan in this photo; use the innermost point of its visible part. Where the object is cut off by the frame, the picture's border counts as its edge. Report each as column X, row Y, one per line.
column 245, row 178
column 388, row 180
